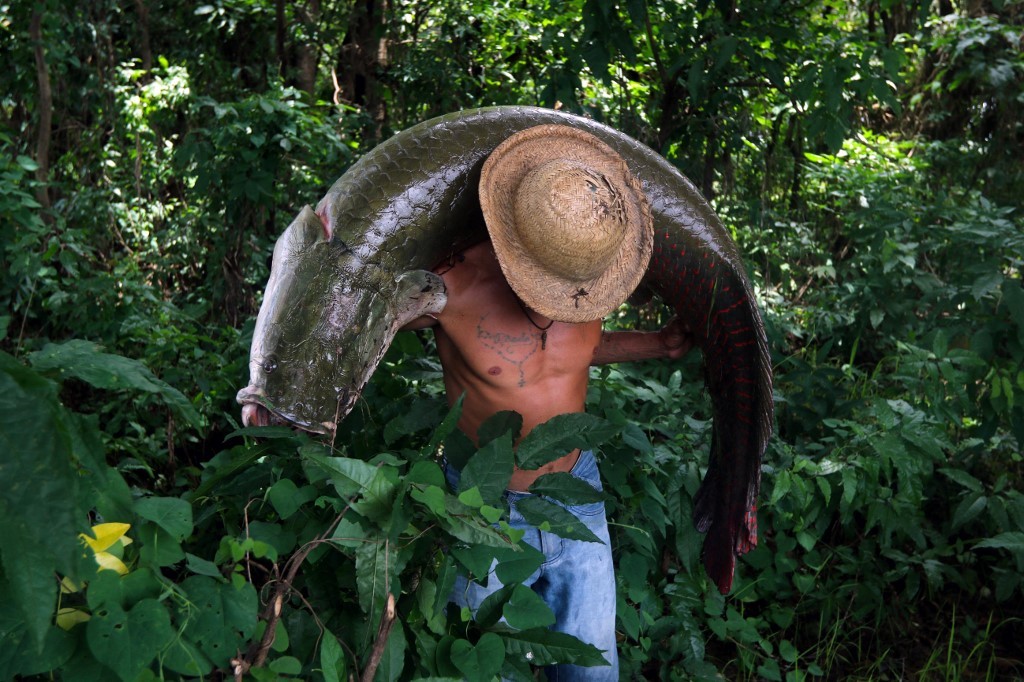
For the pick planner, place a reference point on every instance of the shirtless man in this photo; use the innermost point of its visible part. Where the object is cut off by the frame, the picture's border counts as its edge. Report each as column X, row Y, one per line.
column 503, row 353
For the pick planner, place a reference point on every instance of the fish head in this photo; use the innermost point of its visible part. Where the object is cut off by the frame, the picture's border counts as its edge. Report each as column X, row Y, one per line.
column 326, row 320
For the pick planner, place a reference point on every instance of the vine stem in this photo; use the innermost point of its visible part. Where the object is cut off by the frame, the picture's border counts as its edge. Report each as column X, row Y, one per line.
column 256, row 655
column 387, row 621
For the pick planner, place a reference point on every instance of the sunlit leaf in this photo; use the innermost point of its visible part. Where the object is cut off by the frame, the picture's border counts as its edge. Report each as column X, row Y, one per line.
column 68, row 618
column 110, row 562
column 105, row 535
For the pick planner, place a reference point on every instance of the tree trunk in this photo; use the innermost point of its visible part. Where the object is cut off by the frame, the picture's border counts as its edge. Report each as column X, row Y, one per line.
column 45, row 110
column 279, row 38
column 307, row 49
column 144, row 47
column 363, row 56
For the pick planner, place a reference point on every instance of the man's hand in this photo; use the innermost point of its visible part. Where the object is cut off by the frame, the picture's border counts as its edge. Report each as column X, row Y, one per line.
column 676, row 339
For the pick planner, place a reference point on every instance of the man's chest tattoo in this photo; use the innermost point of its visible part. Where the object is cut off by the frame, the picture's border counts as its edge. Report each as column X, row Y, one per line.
column 514, row 349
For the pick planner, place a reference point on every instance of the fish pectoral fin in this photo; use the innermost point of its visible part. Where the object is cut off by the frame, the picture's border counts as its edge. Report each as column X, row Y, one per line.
column 419, row 293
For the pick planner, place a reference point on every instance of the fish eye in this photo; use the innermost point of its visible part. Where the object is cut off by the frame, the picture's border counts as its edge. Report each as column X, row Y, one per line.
column 269, row 364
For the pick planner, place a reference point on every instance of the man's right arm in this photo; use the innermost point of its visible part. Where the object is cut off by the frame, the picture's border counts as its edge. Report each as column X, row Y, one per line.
column 671, row 342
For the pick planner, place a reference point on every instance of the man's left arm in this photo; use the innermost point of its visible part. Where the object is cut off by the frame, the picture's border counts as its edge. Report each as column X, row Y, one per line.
column 670, row 342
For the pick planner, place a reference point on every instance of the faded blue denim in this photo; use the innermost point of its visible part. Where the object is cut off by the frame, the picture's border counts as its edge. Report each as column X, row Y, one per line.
column 577, row 581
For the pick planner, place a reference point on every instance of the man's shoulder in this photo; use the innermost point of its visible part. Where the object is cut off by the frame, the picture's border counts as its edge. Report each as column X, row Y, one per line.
column 470, row 269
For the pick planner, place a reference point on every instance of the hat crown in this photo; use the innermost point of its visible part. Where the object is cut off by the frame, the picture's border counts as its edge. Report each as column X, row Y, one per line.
column 569, row 222
column 571, row 218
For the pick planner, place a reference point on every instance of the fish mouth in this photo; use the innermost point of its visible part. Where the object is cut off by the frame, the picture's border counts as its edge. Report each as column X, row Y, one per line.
column 257, row 410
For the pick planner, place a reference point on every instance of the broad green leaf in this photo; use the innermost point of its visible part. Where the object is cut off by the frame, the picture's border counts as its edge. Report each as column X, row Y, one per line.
column 472, row 498
column 963, row 478
column 40, row 504
column 566, row 488
column 465, row 524
column 554, row 519
column 489, row 612
column 422, row 414
column 969, row 509
column 218, row 617
column 445, row 428
column 634, row 436
column 426, row 473
column 560, row 435
column 517, row 564
column 481, row 662
column 426, row 599
column 349, row 533
column 525, row 610
column 19, row 654
column 28, row 566
column 128, row 641
column 276, row 535
column 446, row 576
column 377, row 571
column 183, row 656
column 172, row 514
column 477, row 558
column 110, row 588
column 1013, row 297
column 548, row 647
column 431, row 496
column 286, row 665
column 393, row 661
column 505, row 422
column 353, row 477
column 443, row 658
column 490, row 470
column 286, row 497
column 458, row 448
column 157, row 546
column 332, row 658
column 201, row 566
column 84, row 360
column 239, row 459
column 1010, row 540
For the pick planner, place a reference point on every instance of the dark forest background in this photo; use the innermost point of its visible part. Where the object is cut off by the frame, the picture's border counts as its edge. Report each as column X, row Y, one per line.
column 867, row 157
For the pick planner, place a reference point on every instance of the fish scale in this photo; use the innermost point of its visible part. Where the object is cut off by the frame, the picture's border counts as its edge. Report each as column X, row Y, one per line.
column 412, row 202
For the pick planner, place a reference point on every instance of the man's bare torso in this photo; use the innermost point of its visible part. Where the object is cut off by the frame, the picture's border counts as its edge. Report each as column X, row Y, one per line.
column 505, row 357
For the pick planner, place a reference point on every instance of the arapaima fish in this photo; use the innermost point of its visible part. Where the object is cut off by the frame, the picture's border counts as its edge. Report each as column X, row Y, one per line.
column 347, row 275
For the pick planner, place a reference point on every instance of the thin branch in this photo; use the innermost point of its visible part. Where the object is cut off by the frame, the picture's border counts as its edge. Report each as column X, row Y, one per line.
column 257, row 653
column 387, row 621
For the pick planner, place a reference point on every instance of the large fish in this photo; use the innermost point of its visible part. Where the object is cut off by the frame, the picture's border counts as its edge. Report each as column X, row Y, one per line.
column 348, row 275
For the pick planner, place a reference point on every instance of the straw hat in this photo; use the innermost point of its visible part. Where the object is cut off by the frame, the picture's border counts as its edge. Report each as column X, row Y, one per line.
column 570, row 224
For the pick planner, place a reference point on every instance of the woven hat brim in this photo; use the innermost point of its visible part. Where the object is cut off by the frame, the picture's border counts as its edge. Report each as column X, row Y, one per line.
column 551, row 295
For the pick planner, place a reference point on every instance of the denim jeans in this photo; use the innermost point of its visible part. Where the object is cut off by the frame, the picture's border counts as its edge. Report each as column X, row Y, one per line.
column 577, row 579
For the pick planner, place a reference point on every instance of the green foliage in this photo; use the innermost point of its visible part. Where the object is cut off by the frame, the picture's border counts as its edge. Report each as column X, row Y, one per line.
column 866, row 158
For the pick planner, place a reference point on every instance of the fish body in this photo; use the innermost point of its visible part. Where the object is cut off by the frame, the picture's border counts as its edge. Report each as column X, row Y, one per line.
column 348, row 275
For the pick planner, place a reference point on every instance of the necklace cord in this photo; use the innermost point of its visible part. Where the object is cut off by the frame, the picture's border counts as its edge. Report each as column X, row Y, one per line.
column 543, row 330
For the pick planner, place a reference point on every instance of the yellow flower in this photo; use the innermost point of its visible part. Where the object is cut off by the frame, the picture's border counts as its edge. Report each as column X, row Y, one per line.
column 106, row 535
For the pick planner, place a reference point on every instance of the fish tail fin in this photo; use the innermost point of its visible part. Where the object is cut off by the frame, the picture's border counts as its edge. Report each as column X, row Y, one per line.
column 729, row 519
column 705, row 502
column 719, row 557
